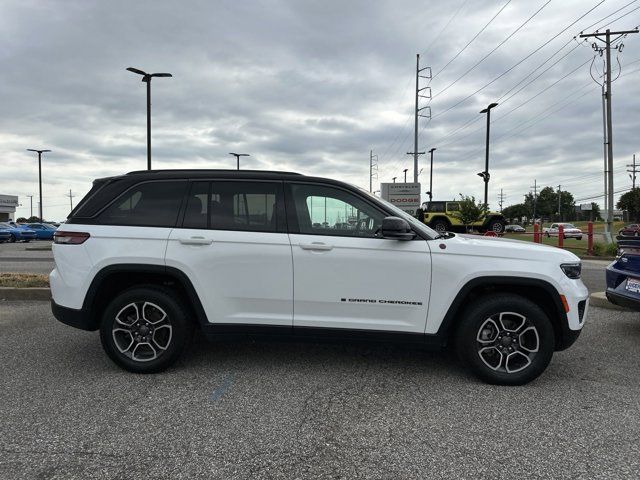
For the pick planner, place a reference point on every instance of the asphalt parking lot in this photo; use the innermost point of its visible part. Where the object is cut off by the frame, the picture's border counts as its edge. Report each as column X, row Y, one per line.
column 14, row 257
column 270, row 410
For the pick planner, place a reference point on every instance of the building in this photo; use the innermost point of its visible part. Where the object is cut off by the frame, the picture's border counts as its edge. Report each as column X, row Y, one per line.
column 8, row 204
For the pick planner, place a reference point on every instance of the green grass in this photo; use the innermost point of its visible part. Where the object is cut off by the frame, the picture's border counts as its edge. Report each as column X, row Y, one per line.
column 24, row 280
column 578, row 247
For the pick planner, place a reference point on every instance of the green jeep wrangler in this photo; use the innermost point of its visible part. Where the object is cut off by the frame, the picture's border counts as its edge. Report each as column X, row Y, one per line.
column 441, row 217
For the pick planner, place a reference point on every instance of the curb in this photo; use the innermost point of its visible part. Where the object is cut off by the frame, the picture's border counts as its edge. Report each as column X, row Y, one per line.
column 598, row 299
column 38, row 248
column 29, row 294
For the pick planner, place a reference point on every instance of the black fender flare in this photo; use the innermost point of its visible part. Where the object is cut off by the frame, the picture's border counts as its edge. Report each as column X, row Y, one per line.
column 555, row 310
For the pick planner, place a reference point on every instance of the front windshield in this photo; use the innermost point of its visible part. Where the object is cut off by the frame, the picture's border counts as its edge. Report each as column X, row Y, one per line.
column 402, row 214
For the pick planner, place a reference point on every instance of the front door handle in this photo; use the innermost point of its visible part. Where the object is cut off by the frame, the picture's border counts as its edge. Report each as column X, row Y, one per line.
column 316, row 246
column 195, row 241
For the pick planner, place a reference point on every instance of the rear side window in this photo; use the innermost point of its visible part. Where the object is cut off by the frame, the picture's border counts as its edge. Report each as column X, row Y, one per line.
column 242, row 206
column 151, row 204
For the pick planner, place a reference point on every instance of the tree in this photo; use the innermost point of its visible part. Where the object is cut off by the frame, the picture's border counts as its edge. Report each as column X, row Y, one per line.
column 470, row 211
column 516, row 211
column 33, row 219
column 630, row 201
column 21, row 220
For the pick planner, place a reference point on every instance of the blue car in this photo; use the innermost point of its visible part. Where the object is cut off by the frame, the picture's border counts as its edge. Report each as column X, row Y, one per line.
column 44, row 231
column 5, row 235
column 18, row 234
column 623, row 276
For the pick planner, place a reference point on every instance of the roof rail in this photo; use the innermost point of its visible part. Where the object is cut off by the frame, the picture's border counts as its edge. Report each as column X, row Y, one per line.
column 213, row 170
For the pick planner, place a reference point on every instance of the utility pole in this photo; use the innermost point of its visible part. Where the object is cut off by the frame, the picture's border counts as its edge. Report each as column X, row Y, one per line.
column 535, row 198
column 559, row 198
column 419, row 95
column 372, row 167
column 607, row 51
column 70, row 195
column 606, row 163
column 501, row 197
column 31, row 204
column 633, row 171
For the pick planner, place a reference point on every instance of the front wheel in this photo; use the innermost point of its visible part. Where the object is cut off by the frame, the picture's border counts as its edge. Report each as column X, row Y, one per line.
column 12, row 238
column 497, row 226
column 145, row 329
column 505, row 339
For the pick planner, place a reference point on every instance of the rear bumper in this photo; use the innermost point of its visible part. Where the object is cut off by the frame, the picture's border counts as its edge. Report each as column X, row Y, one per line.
column 622, row 300
column 74, row 318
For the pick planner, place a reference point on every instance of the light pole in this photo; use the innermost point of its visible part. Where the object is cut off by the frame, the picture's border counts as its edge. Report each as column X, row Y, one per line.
column 405, row 175
column 430, row 192
column 146, row 77
column 238, row 155
column 40, row 152
column 485, row 175
column 394, row 179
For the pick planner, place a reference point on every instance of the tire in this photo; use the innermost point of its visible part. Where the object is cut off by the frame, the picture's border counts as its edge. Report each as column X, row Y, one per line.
column 548, row 235
column 12, row 238
column 166, row 338
column 496, row 319
column 578, row 238
column 497, row 226
column 440, row 226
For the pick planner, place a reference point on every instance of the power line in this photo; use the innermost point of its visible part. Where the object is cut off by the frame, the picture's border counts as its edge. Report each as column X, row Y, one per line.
column 522, row 60
column 492, row 51
column 473, row 39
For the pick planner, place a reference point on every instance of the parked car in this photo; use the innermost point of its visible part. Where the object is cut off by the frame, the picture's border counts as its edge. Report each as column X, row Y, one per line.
column 149, row 256
column 44, row 231
column 18, row 234
column 514, row 229
column 5, row 235
column 632, row 230
column 623, row 276
column 570, row 231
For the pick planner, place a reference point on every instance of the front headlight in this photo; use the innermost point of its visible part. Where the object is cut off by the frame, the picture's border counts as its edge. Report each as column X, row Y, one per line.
column 572, row 270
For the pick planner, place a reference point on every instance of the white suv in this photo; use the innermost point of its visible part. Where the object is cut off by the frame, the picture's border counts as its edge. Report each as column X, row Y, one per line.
column 147, row 257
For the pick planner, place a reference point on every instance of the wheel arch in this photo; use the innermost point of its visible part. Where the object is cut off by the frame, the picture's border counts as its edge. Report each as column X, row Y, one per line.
column 114, row 279
column 541, row 292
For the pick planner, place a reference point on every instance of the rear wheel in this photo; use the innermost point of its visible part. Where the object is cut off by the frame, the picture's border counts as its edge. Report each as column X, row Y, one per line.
column 505, row 339
column 440, row 226
column 12, row 238
column 145, row 329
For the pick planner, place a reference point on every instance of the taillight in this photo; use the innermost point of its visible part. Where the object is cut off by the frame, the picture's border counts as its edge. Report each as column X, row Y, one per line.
column 70, row 238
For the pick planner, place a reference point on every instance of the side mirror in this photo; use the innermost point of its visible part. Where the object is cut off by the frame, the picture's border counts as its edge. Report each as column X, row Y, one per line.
column 396, row 228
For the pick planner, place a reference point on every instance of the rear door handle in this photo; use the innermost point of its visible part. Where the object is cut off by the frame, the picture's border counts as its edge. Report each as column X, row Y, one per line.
column 316, row 246
column 195, row 241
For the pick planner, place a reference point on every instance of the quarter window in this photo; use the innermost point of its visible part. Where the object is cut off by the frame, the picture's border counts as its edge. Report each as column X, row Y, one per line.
column 324, row 210
column 150, row 204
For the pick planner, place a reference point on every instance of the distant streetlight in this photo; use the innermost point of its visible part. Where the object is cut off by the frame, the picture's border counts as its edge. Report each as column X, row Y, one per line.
column 430, row 192
column 485, row 175
column 394, row 179
column 405, row 175
column 40, row 152
column 146, row 77
column 238, row 155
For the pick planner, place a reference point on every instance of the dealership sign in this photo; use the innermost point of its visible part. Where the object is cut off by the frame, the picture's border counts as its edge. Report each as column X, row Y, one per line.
column 405, row 196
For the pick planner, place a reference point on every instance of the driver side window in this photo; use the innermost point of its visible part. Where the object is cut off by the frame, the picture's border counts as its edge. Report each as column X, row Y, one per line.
column 324, row 210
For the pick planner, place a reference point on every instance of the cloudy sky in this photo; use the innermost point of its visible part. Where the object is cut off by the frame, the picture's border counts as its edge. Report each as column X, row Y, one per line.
column 313, row 86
